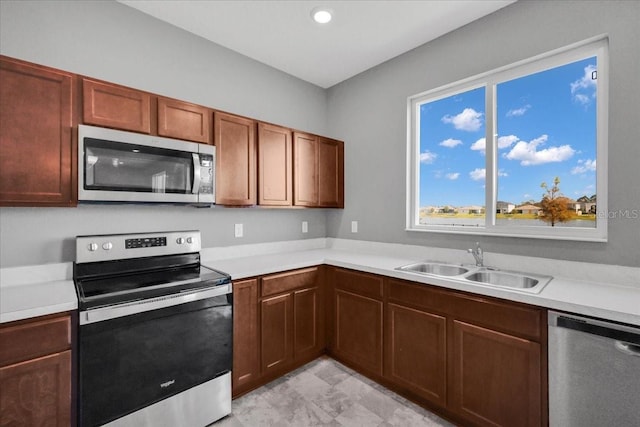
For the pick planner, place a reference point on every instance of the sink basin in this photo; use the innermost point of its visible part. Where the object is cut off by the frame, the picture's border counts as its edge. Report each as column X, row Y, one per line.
column 509, row 280
column 435, row 268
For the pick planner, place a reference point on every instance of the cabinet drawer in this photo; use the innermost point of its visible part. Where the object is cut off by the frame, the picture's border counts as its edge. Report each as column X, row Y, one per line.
column 501, row 315
column 33, row 339
column 278, row 283
column 359, row 283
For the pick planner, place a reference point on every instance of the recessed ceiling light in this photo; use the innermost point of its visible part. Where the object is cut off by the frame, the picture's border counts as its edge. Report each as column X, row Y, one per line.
column 321, row 15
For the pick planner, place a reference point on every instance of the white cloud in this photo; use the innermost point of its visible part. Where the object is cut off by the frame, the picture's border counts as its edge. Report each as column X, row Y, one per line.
column 479, row 145
column 584, row 166
column 518, row 111
column 453, row 176
column 427, row 157
column 478, row 174
column 469, row 120
column 450, row 143
column 528, row 154
column 502, row 173
column 503, row 142
column 584, row 89
column 507, row 141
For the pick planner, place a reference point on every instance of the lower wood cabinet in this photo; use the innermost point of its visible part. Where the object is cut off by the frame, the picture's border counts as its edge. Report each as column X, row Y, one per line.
column 276, row 335
column 416, row 353
column 496, row 377
column 357, row 321
column 246, row 334
column 475, row 360
column 35, row 372
column 278, row 325
column 480, row 360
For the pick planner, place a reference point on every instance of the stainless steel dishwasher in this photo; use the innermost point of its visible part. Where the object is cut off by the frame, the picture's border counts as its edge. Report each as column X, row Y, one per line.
column 594, row 372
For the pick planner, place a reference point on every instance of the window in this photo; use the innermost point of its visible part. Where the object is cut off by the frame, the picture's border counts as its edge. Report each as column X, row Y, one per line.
column 518, row 151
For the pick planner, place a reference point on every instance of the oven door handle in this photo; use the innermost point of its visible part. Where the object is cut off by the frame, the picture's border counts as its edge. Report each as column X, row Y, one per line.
column 135, row 307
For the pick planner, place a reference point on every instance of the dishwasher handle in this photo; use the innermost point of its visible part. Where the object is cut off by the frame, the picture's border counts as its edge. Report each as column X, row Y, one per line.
column 626, row 337
column 627, row 348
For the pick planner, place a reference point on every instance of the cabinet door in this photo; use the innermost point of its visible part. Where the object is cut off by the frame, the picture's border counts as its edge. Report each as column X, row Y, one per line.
column 276, row 333
column 307, row 324
column 330, row 173
column 246, row 367
column 37, row 392
column 416, row 352
column 181, row 120
column 358, row 331
column 496, row 377
column 37, row 165
column 275, row 167
column 235, row 160
column 305, row 169
column 116, row 106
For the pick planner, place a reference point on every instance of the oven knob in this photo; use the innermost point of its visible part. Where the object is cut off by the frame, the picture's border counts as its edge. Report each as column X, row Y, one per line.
column 180, row 240
column 189, row 240
column 107, row 246
column 92, row 247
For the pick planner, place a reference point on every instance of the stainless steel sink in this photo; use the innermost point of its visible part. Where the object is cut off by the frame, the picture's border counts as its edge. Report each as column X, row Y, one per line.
column 500, row 278
column 486, row 276
column 435, row 268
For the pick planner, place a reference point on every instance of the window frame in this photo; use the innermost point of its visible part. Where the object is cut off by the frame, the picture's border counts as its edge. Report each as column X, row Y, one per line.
column 598, row 47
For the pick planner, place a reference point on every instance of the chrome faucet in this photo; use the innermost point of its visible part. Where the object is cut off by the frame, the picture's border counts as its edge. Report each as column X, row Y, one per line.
column 477, row 254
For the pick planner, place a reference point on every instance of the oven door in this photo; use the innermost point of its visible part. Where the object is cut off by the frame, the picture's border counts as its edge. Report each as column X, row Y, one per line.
column 130, row 362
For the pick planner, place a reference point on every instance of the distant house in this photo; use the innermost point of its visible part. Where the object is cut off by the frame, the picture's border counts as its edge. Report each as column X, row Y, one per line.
column 573, row 205
column 473, row 210
column 528, row 209
column 504, row 207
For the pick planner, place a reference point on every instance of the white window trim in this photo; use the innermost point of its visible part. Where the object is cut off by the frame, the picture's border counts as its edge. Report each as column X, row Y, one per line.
column 597, row 46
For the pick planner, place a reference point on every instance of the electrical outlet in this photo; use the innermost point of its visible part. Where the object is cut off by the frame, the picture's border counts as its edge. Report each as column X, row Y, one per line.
column 354, row 226
column 305, row 227
column 239, row 232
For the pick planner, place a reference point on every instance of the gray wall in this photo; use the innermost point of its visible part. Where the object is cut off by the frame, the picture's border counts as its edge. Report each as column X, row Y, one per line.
column 110, row 41
column 113, row 42
column 369, row 113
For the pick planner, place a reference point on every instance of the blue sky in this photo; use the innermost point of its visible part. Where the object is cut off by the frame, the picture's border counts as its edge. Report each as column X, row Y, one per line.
column 546, row 125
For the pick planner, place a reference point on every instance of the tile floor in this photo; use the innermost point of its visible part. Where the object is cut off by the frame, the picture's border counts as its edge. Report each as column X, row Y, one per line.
column 326, row 393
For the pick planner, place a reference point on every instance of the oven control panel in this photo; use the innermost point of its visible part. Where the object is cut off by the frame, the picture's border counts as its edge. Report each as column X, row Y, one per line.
column 122, row 246
column 145, row 242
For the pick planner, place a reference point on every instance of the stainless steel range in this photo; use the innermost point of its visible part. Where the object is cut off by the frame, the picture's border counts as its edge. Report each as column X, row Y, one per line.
column 155, row 332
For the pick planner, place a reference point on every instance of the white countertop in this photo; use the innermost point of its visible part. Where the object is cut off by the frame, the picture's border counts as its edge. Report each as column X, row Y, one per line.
column 33, row 291
column 607, row 292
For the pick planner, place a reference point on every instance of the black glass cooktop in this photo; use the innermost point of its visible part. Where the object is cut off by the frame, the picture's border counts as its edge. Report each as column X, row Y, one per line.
column 115, row 282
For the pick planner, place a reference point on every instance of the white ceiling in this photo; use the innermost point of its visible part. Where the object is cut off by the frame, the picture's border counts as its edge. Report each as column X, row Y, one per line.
column 282, row 34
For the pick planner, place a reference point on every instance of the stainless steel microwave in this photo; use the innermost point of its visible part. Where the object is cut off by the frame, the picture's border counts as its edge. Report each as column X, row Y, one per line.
column 118, row 166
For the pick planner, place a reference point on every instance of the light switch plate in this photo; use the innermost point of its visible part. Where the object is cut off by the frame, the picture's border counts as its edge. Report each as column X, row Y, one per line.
column 239, row 231
column 354, row 226
column 305, row 227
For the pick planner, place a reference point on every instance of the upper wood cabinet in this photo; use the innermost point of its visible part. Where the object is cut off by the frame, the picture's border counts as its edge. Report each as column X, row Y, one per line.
column 116, row 106
column 330, row 173
column 38, row 152
column 318, row 171
column 182, row 120
column 275, row 166
column 305, row 169
column 235, row 141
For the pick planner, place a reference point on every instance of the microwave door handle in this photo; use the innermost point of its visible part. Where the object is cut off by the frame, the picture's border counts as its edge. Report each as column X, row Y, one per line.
column 196, row 173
